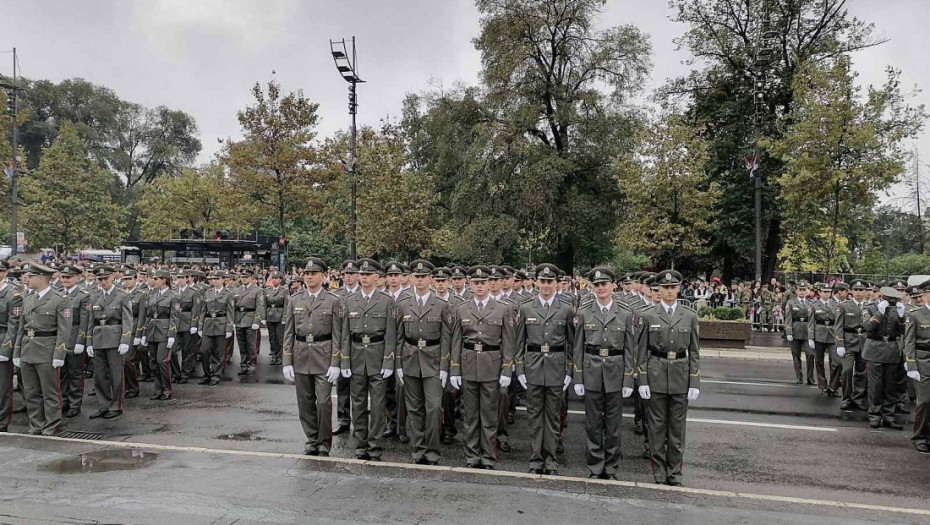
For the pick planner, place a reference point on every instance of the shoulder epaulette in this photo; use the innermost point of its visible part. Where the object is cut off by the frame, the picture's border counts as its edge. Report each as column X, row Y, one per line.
column 686, row 307
column 403, row 297
column 914, row 309
column 333, row 294
column 84, row 291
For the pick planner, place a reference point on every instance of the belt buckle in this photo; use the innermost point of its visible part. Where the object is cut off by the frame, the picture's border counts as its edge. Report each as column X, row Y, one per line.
column 309, row 338
column 885, row 338
column 30, row 332
column 421, row 343
column 604, row 352
column 670, row 355
column 154, row 316
column 212, row 316
column 366, row 339
column 479, row 347
column 241, row 309
column 544, row 349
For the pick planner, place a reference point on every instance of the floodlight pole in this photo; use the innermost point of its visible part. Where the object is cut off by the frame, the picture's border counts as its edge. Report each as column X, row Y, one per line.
column 14, row 196
column 347, row 67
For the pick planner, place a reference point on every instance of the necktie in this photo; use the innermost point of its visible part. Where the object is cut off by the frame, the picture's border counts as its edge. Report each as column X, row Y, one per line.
column 422, row 303
column 480, row 306
column 604, row 310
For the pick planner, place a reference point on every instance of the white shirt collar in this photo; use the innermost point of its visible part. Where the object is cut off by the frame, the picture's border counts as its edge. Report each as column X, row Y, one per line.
column 367, row 297
column 607, row 306
column 443, row 297
column 482, row 304
column 421, row 298
column 315, row 294
column 669, row 308
column 69, row 290
column 353, row 289
column 546, row 303
column 45, row 291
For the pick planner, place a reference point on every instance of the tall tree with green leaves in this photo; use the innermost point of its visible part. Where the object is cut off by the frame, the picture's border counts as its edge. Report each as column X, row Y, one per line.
column 66, row 201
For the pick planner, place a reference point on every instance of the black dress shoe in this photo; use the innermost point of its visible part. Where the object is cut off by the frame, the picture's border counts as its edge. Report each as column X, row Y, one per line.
column 809, row 382
column 638, row 428
column 800, row 382
column 403, row 438
column 363, row 457
column 505, row 446
column 875, row 424
column 594, row 476
column 612, row 476
column 213, row 382
column 75, row 412
column 552, row 472
column 845, row 406
column 473, row 465
column 165, row 396
column 242, row 372
column 156, row 396
column 674, row 483
column 310, row 452
column 113, row 415
column 204, row 381
column 132, row 394
column 420, row 461
column 534, row 471
column 432, row 463
column 322, row 454
column 488, row 467
column 388, row 433
column 374, row 458
column 99, row 414
column 182, row 381
column 341, row 429
column 923, row 448
column 447, row 439
column 893, row 425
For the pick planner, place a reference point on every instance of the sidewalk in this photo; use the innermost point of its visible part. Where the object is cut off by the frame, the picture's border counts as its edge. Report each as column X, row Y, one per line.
column 758, row 353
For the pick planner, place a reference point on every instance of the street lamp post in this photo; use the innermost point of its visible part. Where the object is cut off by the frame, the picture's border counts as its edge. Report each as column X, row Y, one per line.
column 764, row 53
column 347, row 65
column 13, row 169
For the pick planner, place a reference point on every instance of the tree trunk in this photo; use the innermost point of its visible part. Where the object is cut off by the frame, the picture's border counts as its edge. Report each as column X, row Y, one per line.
column 770, row 250
column 566, row 257
column 728, row 271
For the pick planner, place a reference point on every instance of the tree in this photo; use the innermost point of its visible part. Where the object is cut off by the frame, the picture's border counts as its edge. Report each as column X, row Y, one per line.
column 273, row 165
column 839, row 149
column 669, row 201
column 194, row 200
column 66, row 201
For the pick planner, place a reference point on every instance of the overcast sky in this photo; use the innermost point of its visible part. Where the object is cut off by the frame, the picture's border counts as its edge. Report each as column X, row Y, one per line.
column 203, row 56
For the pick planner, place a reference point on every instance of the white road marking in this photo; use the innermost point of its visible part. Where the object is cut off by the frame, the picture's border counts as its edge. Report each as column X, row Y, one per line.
column 736, row 423
column 748, row 383
column 559, row 480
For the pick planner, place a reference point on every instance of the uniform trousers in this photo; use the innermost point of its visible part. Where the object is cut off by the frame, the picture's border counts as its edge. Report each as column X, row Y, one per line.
column 315, row 407
column 450, row 402
column 603, row 412
column 6, row 394
column 276, row 339
column 482, row 403
column 854, row 378
column 882, row 391
column 543, row 404
column 212, row 350
column 42, row 391
column 836, row 370
column 424, row 415
column 131, row 369
column 189, row 351
column 246, row 338
column 666, row 416
column 799, row 347
column 396, row 405
column 368, row 417
column 161, row 365
column 108, row 378
column 343, row 399
column 821, row 351
column 922, row 410
column 72, row 380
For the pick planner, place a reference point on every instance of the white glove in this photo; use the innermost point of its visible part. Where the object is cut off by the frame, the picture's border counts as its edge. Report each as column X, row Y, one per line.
column 914, row 374
column 58, row 363
column 346, row 373
column 79, row 349
column 443, row 378
column 456, row 382
column 565, row 382
column 693, row 394
column 387, row 372
column 143, row 342
column 522, row 380
column 90, row 351
column 170, row 343
column 288, row 372
column 882, row 306
column 626, row 392
column 254, row 326
column 644, row 392
column 810, row 343
column 4, row 359
column 136, row 341
column 504, row 381
column 841, row 351
column 17, row 361
column 123, row 349
column 332, row 374
column 579, row 390
column 400, row 375
column 900, row 307
column 193, row 329
column 790, row 338
column 228, row 335
column 264, row 322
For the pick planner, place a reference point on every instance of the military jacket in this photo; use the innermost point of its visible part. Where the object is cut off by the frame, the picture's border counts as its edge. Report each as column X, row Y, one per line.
column 768, row 299
column 110, row 319
column 917, row 340
column 482, row 341
column 545, row 340
column 848, row 329
column 885, row 330
column 161, row 316
column 466, row 294
column 249, row 303
column 669, row 350
column 344, row 292
column 822, row 321
column 369, row 336
column 216, row 313
column 313, row 332
column 190, row 300
column 80, row 321
column 11, row 307
column 605, row 348
column 138, row 300
column 275, row 302
column 44, row 328
column 797, row 318
column 424, row 335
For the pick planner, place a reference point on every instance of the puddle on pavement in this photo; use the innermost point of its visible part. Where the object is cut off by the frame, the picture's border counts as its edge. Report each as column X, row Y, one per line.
column 101, row 461
column 248, row 435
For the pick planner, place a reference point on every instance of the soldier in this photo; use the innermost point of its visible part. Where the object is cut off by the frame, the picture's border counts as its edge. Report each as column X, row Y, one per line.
column 545, row 336
column 604, row 363
column 917, row 352
column 424, row 331
column 343, row 413
column 249, row 302
column 768, row 304
column 160, row 331
column 215, row 326
column 312, row 349
column 884, row 324
column 481, row 366
column 850, row 336
column 109, row 334
column 669, row 335
column 137, row 300
column 397, row 280
column 368, row 342
column 901, row 397
column 40, row 349
column 459, row 282
column 451, row 401
column 797, row 316
column 276, row 297
column 822, row 340
column 649, row 296
column 190, row 300
column 72, row 374
column 89, row 283
column 11, row 307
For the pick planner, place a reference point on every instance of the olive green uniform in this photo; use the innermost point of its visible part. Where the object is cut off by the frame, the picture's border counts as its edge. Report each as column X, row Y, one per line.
column 917, row 353
column 249, row 302
column 216, row 320
column 850, row 334
column 11, row 307
column 161, row 323
column 820, row 331
column 72, row 374
column 797, row 319
column 883, row 355
column 137, row 355
column 190, row 300
column 768, row 304
column 110, row 325
column 343, row 390
column 276, row 298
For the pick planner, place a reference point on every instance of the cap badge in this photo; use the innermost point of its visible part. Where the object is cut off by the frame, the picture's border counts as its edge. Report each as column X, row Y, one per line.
column 668, row 277
column 419, row 266
column 478, row 272
column 597, row 274
column 546, row 270
column 365, row 265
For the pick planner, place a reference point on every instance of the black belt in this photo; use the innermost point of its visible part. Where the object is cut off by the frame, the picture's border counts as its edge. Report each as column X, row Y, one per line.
column 421, row 343
column 310, row 338
column 481, row 347
column 852, row 330
column 922, row 348
column 884, row 339
column 799, row 320
column 545, row 349
column 245, row 309
column 669, row 355
column 75, row 321
column 366, row 339
column 213, row 315
column 104, row 322
column 186, row 309
column 824, row 323
column 602, row 351
column 45, row 333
